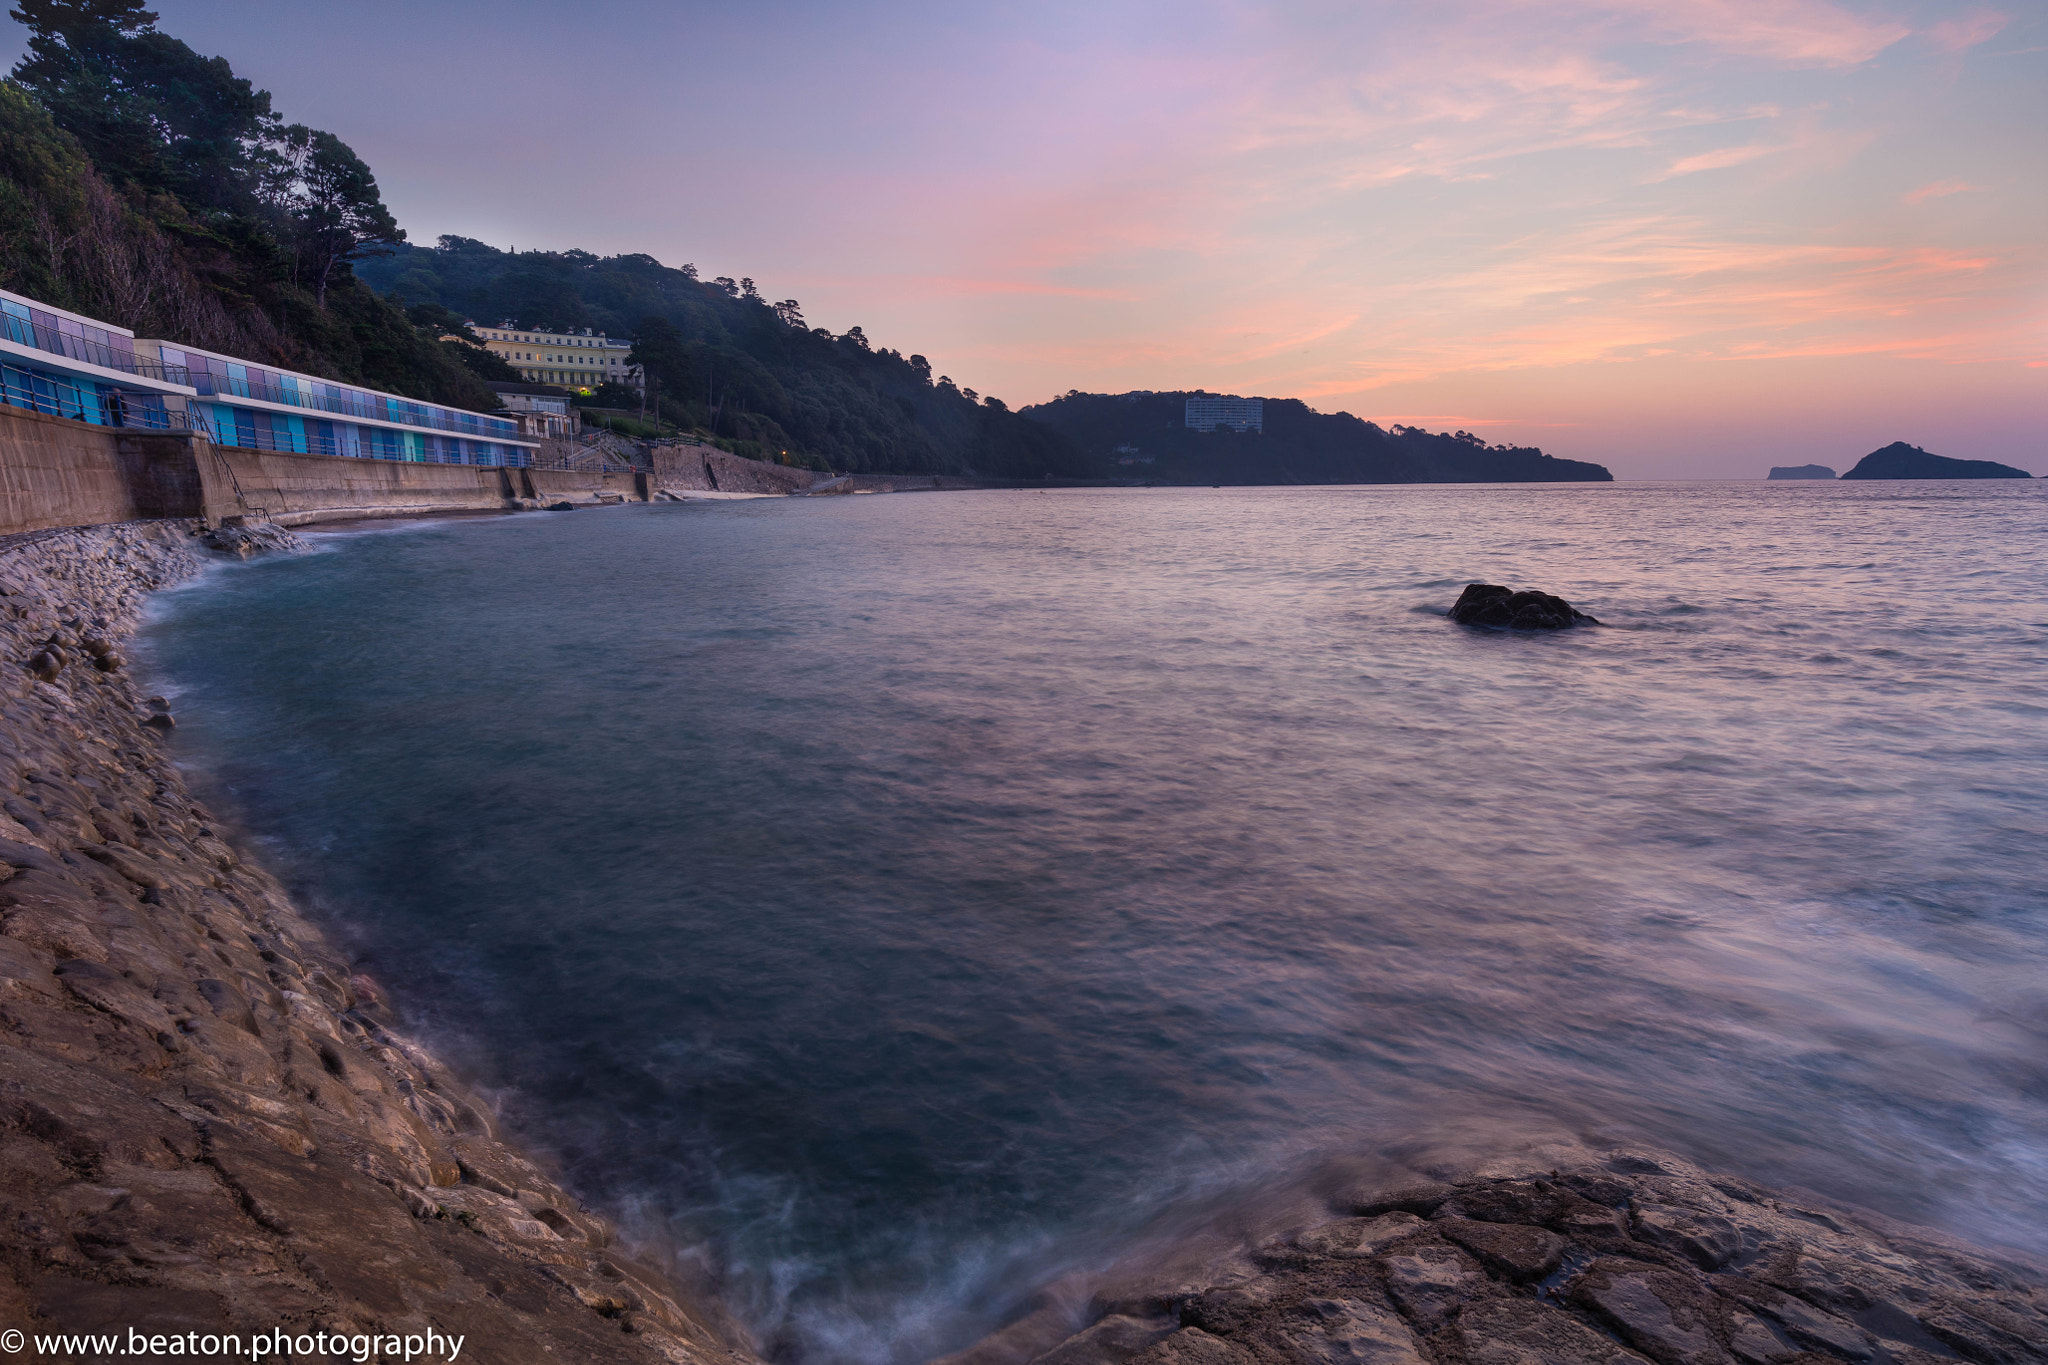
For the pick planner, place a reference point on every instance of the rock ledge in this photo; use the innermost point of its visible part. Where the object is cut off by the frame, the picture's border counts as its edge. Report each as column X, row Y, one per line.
column 1621, row 1258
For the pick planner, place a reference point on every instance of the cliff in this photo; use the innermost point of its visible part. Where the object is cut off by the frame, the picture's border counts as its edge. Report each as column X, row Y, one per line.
column 1901, row 461
column 207, row 1123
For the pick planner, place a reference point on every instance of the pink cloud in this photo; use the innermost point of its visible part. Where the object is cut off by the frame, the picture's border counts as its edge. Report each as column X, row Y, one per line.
column 1965, row 31
column 1715, row 160
column 1792, row 32
column 1940, row 189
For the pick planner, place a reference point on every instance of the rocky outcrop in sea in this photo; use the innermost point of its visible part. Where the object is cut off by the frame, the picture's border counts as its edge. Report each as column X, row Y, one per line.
column 1490, row 604
column 1901, row 461
column 1802, row 471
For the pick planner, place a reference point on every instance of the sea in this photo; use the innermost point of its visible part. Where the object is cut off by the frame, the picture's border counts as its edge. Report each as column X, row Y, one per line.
column 889, row 906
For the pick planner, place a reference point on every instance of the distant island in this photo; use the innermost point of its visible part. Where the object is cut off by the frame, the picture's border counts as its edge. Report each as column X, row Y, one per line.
column 1901, row 461
column 1801, row 471
column 1161, row 437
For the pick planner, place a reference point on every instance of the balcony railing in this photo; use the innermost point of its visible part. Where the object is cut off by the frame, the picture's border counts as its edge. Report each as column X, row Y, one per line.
column 55, row 398
column 256, row 438
column 582, row 462
column 380, row 410
column 23, row 332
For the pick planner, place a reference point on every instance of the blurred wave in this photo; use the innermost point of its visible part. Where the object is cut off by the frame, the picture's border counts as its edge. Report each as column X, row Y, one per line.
column 900, row 902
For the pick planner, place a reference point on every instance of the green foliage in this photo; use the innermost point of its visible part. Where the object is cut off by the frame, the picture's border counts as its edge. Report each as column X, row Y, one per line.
column 723, row 360
column 1299, row 446
column 147, row 108
column 334, row 214
column 625, row 424
column 468, row 349
column 152, row 187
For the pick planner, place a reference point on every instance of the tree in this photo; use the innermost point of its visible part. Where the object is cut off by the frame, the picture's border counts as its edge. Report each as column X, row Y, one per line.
column 336, row 214
column 922, row 368
column 146, row 106
column 791, row 313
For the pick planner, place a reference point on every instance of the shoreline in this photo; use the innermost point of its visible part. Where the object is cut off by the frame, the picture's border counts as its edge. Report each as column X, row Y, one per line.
column 209, row 1124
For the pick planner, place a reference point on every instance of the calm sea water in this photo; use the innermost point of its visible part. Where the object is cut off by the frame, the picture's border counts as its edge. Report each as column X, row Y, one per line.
column 897, row 901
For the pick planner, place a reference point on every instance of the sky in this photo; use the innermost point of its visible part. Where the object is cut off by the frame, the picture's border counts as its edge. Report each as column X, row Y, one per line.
column 1685, row 238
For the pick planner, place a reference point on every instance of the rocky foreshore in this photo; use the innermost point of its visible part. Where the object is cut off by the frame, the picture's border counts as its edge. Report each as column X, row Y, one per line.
column 1609, row 1258
column 207, row 1124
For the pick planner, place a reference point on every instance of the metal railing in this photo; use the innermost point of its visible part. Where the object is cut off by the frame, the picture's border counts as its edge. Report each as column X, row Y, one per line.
column 398, row 410
column 55, row 398
column 24, row 332
column 582, row 462
column 256, row 438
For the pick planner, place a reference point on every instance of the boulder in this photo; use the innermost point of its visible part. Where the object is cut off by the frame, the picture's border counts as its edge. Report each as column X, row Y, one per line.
column 1490, row 604
column 1801, row 471
column 241, row 537
column 1901, row 461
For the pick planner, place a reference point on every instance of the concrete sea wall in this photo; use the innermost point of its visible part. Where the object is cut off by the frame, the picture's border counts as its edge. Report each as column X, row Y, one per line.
column 207, row 1122
column 56, row 472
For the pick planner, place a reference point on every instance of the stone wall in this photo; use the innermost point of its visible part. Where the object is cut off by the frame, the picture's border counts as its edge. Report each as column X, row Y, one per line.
column 57, row 472
column 901, row 483
column 685, row 468
column 295, row 490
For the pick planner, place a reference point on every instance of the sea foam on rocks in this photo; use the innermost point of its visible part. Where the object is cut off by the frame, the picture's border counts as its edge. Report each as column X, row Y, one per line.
column 1619, row 1257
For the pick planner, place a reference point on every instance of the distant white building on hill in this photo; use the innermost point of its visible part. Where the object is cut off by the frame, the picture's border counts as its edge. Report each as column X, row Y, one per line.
column 1239, row 414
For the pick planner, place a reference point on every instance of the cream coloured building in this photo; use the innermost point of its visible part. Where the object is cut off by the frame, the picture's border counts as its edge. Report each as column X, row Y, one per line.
column 569, row 360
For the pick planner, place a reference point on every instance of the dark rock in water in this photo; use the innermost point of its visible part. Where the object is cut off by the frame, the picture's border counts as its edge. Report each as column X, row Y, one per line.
column 1901, row 461
column 564, row 506
column 1801, row 471
column 1489, row 604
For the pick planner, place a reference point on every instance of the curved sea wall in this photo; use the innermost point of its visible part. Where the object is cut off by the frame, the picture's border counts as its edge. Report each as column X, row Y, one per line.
column 56, row 472
column 206, row 1123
